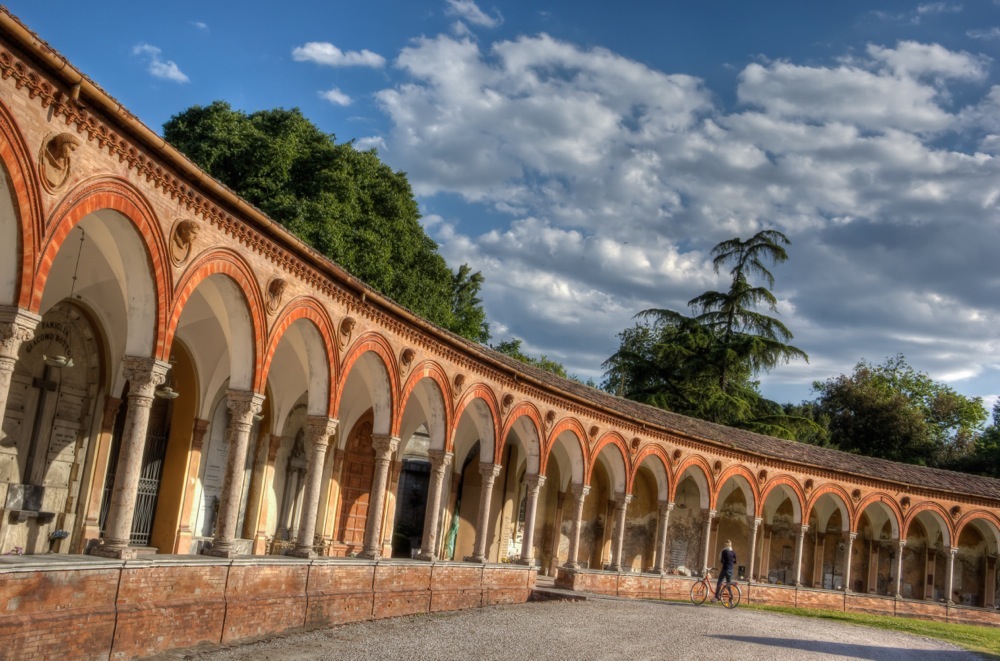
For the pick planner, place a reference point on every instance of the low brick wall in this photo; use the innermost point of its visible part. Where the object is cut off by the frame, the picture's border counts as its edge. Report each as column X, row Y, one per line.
column 88, row 608
column 678, row 588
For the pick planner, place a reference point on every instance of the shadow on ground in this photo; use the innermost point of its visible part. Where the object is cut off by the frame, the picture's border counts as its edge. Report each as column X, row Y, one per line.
column 849, row 650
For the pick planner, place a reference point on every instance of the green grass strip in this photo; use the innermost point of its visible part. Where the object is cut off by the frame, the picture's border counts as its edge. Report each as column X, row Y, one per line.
column 983, row 640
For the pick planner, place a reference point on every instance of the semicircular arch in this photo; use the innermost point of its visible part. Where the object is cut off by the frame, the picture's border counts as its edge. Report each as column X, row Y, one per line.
column 26, row 200
column 427, row 369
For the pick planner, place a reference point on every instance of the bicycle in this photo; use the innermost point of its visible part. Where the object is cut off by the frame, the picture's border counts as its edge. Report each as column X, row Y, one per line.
column 730, row 594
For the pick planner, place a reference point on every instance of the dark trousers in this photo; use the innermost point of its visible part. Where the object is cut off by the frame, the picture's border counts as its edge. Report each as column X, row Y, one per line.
column 725, row 575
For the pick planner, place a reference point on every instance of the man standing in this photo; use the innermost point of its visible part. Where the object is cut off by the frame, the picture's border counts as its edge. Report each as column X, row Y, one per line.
column 728, row 562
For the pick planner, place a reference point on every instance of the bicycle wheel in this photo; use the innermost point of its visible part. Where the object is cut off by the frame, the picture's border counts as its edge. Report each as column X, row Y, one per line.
column 699, row 593
column 731, row 595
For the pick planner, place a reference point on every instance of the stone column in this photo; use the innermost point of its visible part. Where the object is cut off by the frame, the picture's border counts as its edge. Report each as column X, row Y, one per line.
column 899, row 570
column 534, row 483
column 799, row 543
column 580, row 492
column 621, row 506
column 847, row 560
column 384, row 446
column 708, row 537
column 319, row 429
column 143, row 375
column 243, row 405
column 949, row 586
column 92, row 520
column 389, row 508
column 432, row 517
column 753, row 550
column 184, row 533
column 16, row 326
column 260, row 535
column 489, row 473
column 663, row 521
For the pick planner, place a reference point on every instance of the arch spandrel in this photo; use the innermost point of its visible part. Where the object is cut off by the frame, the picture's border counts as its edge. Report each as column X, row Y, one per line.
column 26, row 201
column 119, row 195
column 526, row 416
column 385, row 404
column 936, row 511
column 232, row 266
column 483, row 395
column 422, row 372
column 310, row 310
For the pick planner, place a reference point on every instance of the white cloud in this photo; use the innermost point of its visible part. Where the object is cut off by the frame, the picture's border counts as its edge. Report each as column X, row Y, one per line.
column 617, row 179
column 201, row 25
column 991, row 33
column 468, row 11
column 370, row 142
column 336, row 97
column 157, row 66
column 327, row 54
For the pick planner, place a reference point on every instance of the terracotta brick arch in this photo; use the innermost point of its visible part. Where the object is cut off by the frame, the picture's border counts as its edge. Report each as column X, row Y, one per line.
column 745, row 473
column 571, row 425
column 25, row 188
column 790, row 482
column 371, row 342
column 830, row 489
column 699, row 463
column 977, row 515
column 311, row 310
column 928, row 506
column 611, row 438
column 121, row 196
column 654, row 452
column 230, row 264
column 474, row 392
column 427, row 369
column 522, row 410
column 877, row 497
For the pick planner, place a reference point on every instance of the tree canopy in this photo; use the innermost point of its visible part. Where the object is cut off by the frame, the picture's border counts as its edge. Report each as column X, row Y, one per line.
column 706, row 365
column 896, row 412
column 512, row 348
column 345, row 203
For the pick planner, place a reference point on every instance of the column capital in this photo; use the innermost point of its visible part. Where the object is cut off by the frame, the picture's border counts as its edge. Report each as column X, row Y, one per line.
column 17, row 325
column 143, row 374
column 622, row 500
column 712, row 514
column 244, row 404
column 851, row 536
column 385, row 445
column 198, row 430
column 953, row 551
column 757, row 521
column 580, row 491
column 803, row 529
column 439, row 459
column 902, row 543
column 534, row 481
column 489, row 470
column 319, row 429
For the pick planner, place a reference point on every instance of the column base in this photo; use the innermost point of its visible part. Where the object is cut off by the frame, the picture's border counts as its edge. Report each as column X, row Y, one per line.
column 114, row 552
column 527, row 562
column 614, row 568
column 426, row 557
column 571, row 565
column 369, row 555
column 216, row 552
column 654, row 570
column 475, row 558
column 308, row 553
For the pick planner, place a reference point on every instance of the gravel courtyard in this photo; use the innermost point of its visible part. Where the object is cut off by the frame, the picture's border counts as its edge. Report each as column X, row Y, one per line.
column 599, row 628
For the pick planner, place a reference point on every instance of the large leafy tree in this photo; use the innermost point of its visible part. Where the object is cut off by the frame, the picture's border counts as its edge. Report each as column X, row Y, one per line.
column 345, row 203
column 512, row 348
column 706, row 365
column 895, row 412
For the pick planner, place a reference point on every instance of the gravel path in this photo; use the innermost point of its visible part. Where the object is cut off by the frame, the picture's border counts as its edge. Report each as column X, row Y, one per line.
column 600, row 628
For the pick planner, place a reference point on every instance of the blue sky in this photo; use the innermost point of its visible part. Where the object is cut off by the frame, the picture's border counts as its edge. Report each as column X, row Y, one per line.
column 586, row 156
